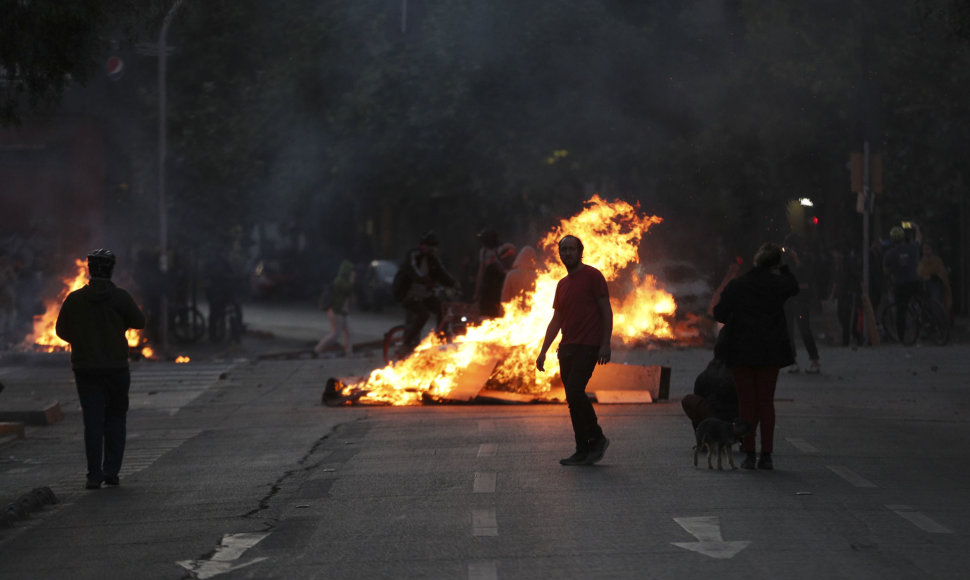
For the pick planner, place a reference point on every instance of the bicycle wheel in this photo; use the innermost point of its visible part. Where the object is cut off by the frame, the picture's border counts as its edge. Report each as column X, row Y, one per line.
column 234, row 317
column 937, row 324
column 188, row 325
column 394, row 348
column 913, row 324
column 889, row 323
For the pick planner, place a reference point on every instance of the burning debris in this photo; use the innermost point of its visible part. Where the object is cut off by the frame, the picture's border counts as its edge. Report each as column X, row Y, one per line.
column 500, row 353
column 45, row 339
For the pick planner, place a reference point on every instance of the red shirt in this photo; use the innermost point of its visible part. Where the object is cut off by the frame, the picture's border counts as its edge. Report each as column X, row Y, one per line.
column 576, row 300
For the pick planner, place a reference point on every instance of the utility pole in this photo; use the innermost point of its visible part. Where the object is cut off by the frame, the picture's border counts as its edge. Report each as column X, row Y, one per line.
column 162, row 151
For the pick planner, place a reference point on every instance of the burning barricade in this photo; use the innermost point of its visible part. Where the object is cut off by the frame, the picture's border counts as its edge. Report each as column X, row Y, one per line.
column 496, row 359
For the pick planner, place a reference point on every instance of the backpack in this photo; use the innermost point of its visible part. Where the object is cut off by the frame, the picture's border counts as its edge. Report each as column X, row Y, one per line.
column 401, row 284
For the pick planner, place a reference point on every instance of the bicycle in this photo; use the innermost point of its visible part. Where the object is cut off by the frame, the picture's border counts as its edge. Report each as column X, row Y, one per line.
column 187, row 324
column 925, row 318
column 229, row 316
column 455, row 318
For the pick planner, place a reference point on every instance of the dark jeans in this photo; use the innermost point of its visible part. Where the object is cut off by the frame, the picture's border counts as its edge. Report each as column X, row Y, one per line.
column 756, row 404
column 576, row 364
column 800, row 311
column 902, row 295
column 417, row 313
column 104, row 404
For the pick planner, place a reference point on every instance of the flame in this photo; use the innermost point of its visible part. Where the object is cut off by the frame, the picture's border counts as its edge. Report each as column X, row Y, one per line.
column 181, row 359
column 44, row 335
column 612, row 233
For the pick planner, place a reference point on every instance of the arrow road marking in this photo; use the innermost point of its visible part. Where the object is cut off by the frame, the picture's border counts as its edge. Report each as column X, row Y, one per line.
column 707, row 530
column 231, row 548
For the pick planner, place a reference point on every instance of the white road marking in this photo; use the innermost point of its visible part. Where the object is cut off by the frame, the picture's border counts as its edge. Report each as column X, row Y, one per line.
column 232, row 547
column 484, row 482
column 483, row 570
column 803, row 446
column 850, row 476
column 920, row 520
column 707, row 530
column 484, row 522
column 487, row 449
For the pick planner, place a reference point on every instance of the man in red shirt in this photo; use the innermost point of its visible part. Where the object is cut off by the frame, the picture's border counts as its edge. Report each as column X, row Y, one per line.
column 582, row 312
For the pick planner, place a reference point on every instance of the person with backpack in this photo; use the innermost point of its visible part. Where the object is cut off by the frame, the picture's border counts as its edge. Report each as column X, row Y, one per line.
column 414, row 286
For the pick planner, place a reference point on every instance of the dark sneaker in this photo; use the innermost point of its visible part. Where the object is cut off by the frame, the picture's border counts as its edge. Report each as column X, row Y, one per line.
column 111, row 480
column 578, row 458
column 93, row 484
column 765, row 462
column 749, row 461
column 597, row 451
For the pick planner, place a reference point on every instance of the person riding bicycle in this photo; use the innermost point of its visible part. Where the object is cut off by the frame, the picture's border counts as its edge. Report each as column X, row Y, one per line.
column 420, row 272
column 900, row 263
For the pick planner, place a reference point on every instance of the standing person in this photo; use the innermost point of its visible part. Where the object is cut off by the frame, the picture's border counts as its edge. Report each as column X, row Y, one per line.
column 93, row 319
column 490, row 276
column 338, row 308
column 932, row 271
column 8, row 300
column 900, row 263
column 802, row 261
column 757, row 344
column 846, row 289
column 418, row 275
column 583, row 313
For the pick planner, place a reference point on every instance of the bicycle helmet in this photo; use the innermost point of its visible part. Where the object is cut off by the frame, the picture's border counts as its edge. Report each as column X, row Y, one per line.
column 897, row 234
column 101, row 263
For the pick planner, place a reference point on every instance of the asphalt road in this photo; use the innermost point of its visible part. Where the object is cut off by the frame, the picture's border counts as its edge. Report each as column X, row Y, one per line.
column 235, row 470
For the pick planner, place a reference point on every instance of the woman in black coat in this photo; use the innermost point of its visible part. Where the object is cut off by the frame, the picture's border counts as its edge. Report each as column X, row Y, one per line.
column 757, row 344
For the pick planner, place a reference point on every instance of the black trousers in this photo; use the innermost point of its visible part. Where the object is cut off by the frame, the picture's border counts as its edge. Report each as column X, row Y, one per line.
column 104, row 405
column 576, row 364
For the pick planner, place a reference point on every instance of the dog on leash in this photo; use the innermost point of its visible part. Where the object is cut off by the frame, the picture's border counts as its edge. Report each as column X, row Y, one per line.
column 717, row 436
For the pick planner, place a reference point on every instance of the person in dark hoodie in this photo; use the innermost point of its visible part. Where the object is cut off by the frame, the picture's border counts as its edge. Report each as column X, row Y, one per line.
column 94, row 319
column 757, row 344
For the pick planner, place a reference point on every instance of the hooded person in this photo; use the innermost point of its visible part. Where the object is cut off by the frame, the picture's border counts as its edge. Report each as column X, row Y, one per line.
column 337, row 305
column 93, row 320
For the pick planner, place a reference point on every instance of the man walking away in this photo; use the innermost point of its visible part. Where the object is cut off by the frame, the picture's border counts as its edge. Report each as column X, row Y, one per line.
column 93, row 319
column 582, row 312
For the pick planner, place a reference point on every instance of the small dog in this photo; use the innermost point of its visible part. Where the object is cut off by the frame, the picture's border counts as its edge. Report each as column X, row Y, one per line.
column 718, row 436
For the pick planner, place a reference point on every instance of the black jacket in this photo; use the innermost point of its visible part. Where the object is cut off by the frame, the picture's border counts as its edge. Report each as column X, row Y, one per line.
column 93, row 319
column 752, row 309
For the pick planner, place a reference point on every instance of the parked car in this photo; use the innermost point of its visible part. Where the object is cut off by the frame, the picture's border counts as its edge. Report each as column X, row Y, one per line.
column 375, row 289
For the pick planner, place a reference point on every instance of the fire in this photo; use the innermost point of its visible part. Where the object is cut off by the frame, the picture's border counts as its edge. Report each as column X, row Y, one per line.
column 181, row 359
column 44, row 335
column 611, row 233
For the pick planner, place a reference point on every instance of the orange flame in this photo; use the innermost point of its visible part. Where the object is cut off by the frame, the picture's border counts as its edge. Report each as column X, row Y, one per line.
column 611, row 235
column 44, row 335
column 181, row 359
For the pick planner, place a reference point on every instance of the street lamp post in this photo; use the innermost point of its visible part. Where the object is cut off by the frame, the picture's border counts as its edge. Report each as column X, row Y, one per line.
column 162, row 150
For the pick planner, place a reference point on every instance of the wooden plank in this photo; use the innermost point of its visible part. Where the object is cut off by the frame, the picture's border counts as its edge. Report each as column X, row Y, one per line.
column 618, row 396
column 623, row 377
column 469, row 381
column 504, row 396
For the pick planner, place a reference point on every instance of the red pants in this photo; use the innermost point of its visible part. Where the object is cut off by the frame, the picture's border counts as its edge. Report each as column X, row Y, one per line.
column 756, row 404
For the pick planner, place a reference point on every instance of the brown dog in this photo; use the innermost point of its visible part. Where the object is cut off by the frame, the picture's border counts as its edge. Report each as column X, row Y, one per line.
column 718, row 436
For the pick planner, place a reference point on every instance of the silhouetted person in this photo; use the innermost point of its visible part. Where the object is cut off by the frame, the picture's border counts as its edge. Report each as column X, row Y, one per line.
column 583, row 313
column 94, row 319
